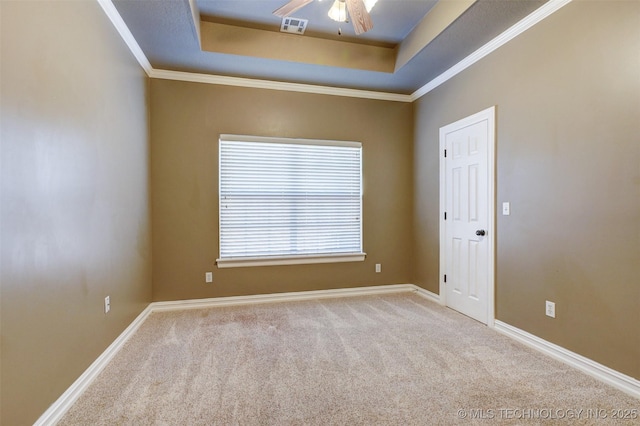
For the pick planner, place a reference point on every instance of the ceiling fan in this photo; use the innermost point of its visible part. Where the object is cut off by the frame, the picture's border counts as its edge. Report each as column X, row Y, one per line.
column 358, row 11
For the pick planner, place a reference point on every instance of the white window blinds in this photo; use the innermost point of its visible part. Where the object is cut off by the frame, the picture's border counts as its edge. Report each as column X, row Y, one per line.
column 289, row 199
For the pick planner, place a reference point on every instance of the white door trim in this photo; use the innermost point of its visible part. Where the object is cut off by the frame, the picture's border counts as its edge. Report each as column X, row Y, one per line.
column 489, row 115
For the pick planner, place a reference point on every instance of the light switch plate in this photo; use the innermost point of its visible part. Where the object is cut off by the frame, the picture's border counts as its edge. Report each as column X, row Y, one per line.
column 506, row 209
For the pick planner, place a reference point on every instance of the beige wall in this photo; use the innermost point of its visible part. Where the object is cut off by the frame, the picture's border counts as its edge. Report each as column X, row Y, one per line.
column 568, row 159
column 75, row 207
column 186, row 121
column 76, row 175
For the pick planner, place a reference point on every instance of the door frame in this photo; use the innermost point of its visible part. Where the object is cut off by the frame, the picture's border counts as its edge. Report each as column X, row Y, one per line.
column 488, row 115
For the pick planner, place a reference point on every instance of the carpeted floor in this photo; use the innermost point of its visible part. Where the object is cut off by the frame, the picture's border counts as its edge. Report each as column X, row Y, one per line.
column 376, row 360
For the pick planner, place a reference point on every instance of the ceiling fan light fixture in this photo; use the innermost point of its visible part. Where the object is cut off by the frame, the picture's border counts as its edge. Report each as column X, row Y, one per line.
column 338, row 11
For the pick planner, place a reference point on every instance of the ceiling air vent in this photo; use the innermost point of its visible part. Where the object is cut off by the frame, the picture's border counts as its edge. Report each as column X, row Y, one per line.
column 293, row 25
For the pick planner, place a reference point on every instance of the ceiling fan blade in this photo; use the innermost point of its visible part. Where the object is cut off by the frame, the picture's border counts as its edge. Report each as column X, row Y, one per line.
column 359, row 16
column 291, row 7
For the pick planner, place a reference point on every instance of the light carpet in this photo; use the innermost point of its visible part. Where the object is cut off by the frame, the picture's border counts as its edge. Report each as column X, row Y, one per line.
column 370, row 360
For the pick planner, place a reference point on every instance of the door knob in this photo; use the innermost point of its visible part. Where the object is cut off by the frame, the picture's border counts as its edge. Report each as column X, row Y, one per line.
column 480, row 232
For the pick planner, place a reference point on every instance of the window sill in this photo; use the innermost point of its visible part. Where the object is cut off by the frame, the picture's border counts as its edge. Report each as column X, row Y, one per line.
column 289, row 260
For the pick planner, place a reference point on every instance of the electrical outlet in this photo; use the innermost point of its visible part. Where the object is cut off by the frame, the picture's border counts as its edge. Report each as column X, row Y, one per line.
column 550, row 309
column 378, row 267
column 208, row 277
column 107, row 304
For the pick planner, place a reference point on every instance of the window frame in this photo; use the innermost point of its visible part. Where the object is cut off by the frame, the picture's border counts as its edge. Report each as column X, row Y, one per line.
column 289, row 259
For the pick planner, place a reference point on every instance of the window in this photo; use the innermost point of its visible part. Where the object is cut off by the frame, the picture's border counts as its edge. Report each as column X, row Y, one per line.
column 287, row 201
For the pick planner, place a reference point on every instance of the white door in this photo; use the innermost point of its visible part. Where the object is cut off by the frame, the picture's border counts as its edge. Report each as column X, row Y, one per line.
column 467, row 225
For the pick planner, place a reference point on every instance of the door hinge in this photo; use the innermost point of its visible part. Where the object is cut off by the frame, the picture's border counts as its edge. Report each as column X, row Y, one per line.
column 445, row 215
column 445, row 278
column 445, row 153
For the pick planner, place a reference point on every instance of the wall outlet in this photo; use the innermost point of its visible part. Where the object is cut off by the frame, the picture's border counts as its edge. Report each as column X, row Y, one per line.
column 378, row 267
column 550, row 309
column 208, row 277
column 107, row 304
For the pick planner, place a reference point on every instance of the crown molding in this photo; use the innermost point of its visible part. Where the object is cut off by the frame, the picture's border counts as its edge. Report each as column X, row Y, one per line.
column 123, row 30
column 529, row 21
column 276, row 85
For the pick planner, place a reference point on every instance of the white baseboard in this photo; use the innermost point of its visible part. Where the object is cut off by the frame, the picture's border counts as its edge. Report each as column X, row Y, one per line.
column 427, row 294
column 280, row 297
column 55, row 412
column 605, row 374
column 66, row 400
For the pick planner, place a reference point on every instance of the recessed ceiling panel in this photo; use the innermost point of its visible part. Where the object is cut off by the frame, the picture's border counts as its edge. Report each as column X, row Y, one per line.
column 164, row 31
column 392, row 19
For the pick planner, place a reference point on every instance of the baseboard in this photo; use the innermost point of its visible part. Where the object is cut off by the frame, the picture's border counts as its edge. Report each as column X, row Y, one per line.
column 427, row 294
column 603, row 373
column 55, row 412
column 279, row 297
column 59, row 408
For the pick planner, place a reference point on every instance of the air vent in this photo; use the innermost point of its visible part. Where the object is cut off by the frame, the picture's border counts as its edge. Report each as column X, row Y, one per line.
column 293, row 25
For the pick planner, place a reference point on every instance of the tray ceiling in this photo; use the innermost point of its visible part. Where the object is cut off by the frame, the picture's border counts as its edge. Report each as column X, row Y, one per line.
column 412, row 42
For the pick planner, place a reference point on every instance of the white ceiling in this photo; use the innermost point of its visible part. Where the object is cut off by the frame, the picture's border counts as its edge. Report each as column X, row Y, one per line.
column 164, row 29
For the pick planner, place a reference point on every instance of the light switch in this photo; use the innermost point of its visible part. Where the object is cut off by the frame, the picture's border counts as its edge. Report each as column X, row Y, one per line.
column 506, row 209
